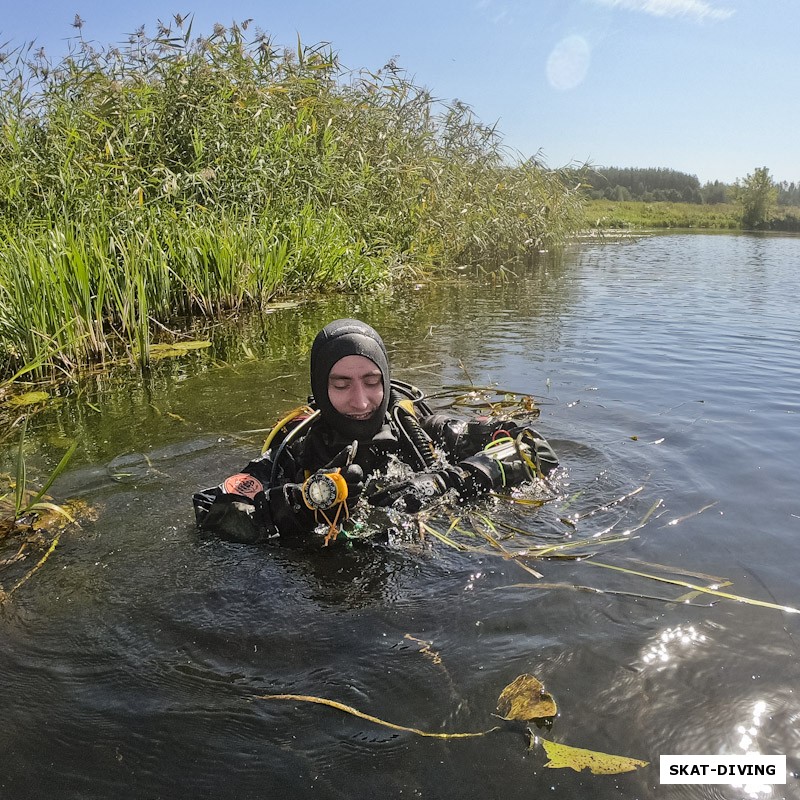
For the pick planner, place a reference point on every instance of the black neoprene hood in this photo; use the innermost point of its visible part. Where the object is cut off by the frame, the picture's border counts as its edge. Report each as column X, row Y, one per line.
column 348, row 337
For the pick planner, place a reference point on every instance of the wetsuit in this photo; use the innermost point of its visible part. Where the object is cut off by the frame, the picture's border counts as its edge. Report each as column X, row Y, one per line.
column 273, row 495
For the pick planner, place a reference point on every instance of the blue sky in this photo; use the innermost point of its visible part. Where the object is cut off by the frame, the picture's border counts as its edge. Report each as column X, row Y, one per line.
column 708, row 87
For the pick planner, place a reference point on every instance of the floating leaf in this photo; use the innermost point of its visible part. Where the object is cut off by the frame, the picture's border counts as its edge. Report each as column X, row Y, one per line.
column 177, row 348
column 283, row 304
column 28, row 398
column 563, row 756
column 53, row 508
column 525, row 699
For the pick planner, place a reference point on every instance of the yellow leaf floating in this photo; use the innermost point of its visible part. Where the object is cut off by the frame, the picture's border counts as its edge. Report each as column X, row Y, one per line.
column 28, row 399
column 563, row 756
column 177, row 348
column 525, row 699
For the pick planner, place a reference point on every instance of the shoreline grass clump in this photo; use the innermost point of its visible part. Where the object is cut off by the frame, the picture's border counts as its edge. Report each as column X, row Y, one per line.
column 185, row 175
column 29, row 521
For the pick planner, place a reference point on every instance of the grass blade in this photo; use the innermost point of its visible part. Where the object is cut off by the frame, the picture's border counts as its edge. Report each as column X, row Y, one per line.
column 19, row 488
column 700, row 589
column 55, row 473
column 303, row 698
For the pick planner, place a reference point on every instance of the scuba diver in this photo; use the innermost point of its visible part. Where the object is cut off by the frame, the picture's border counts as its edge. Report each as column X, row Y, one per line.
column 364, row 436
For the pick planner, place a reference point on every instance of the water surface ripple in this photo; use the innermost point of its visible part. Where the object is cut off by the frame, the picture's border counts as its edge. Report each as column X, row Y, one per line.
column 131, row 661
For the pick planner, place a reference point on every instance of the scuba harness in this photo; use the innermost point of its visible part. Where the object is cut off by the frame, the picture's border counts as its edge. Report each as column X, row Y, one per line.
column 324, row 491
column 403, row 399
column 510, row 453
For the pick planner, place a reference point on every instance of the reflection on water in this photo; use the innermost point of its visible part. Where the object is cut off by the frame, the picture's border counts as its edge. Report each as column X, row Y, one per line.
column 748, row 743
column 672, row 643
column 666, row 373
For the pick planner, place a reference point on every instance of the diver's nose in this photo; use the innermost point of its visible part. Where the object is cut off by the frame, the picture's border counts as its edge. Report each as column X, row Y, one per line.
column 358, row 398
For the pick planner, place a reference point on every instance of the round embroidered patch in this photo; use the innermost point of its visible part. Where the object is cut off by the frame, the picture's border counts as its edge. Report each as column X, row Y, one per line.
column 243, row 484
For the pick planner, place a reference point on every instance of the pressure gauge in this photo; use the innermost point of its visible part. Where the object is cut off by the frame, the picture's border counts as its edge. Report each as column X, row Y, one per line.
column 324, row 490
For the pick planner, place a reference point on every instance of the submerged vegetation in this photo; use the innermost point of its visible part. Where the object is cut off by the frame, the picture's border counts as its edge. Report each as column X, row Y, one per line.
column 29, row 522
column 195, row 175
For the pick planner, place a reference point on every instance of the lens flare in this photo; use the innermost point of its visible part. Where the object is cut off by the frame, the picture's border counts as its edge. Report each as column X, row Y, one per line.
column 568, row 63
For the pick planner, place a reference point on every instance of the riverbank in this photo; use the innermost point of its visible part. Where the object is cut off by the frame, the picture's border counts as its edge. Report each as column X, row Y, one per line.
column 611, row 214
column 185, row 176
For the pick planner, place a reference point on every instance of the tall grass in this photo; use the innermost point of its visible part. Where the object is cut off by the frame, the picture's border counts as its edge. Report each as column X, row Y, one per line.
column 662, row 214
column 182, row 174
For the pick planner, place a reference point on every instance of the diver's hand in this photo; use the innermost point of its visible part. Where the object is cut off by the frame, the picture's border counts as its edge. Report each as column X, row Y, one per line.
column 352, row 473
column 354, row 477
column 342, row 459
column 237, row 509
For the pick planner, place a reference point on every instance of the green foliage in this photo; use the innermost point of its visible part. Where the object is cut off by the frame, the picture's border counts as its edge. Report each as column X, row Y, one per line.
column 605, row 214
column 716, row 192
column 18, row 499
column 646, row 184
column 181, row 175
column 608, row 214
column 757, row 195
column 788, row 194
column 667, row 186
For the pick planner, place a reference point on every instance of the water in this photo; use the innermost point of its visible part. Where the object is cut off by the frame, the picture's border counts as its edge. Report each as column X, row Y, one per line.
column 131, row 660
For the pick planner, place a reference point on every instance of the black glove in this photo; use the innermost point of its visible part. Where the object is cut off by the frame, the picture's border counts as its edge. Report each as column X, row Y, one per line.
column 237, row 509
column 352, row 473
column 413, row 494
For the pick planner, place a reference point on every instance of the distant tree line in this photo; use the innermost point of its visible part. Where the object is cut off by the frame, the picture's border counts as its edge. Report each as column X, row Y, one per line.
column 654, row 184
column 788, row 193
column 648, row 185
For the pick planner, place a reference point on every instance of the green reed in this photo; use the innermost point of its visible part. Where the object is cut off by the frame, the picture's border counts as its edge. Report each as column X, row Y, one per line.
column 182, row 174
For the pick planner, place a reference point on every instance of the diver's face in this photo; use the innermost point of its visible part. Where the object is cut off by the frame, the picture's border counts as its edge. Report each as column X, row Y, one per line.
column 355, row 387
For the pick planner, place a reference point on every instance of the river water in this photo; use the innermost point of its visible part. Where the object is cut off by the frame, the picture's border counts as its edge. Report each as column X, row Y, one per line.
column 666, row 370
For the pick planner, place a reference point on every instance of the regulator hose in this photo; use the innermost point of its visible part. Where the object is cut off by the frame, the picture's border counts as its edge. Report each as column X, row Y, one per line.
column 282, row 447
column 419, row 441
column 415, row 395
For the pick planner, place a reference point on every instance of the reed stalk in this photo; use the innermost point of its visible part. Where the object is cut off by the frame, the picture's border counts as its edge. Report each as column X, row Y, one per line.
column 182, row 174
